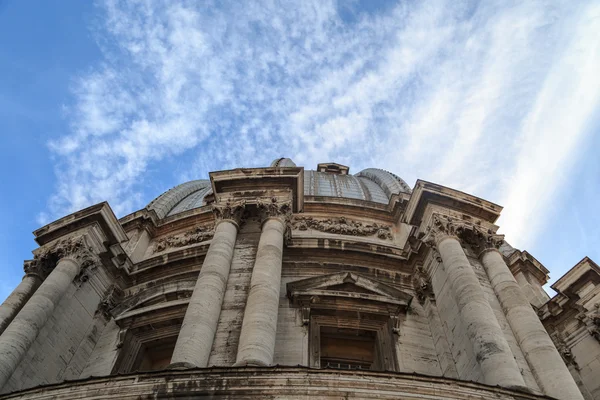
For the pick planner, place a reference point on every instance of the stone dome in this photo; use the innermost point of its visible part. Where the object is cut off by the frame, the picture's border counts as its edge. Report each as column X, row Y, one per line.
column 329, row 180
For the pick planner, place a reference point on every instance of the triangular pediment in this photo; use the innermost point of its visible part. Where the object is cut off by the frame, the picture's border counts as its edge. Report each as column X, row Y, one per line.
column 349, row 285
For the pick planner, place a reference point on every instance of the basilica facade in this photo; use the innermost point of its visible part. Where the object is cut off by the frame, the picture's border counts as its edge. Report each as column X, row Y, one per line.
column 281, row 282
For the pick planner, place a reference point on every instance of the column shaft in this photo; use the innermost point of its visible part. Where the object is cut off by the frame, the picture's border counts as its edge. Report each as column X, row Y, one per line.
column 23, row 330
column 197, row 333
column 546, row 363
column 257, row 338
column 491, row 348
column 17, row 299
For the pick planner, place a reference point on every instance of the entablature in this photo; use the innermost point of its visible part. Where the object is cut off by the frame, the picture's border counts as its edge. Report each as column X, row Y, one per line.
column 255, row 184
column 522, row 261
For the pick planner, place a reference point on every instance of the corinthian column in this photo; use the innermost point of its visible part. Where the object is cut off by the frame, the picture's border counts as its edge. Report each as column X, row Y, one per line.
column 17, row 299
column 546, row 363
column 257, row 338
column 72, row 254
column 489, row 344
column 197, row 332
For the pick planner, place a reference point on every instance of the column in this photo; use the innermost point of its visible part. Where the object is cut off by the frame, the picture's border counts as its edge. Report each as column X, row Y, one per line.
column 17, row 299
column 25, row 327
column 546, row 363
column 257, row 338
column 489, row 344
column 197, row 333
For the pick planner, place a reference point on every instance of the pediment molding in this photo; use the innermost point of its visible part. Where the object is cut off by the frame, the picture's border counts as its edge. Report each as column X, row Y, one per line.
column 341, row 289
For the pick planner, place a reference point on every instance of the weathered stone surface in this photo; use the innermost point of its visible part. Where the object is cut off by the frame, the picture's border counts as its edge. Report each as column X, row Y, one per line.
column 17, row 299
column 257, row 338
column 491, row 348
column 197, row 333
column 552, row 375
column 272, row 383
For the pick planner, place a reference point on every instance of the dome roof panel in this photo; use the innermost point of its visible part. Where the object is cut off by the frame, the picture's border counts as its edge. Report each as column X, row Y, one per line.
column 374, row 191
column 164, row 203
column 390, row 183
column 349, row 186
column 194, row 200
column 283, row 162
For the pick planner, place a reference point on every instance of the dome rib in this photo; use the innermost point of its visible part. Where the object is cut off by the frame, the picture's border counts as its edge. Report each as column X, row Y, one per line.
column 167, row 201
column 283, row 162
column 390, row 183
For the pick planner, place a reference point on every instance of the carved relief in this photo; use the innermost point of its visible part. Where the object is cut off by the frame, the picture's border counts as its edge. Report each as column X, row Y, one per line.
column 342, row 226
column 111, row 299
column 422, row 285
column 196, row 235
column 230, row 210
column 564, row 350
column 591, row 320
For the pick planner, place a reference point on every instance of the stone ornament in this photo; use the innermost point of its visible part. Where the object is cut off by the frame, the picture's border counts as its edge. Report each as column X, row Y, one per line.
column 564, row 350
column 422, row 285
column 111, row 299
column 591, row 320
column 342, row 226
column 196, row 235
column 233, row 211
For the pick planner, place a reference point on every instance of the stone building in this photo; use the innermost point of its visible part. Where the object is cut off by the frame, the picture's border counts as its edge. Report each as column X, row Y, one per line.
column 281, row 282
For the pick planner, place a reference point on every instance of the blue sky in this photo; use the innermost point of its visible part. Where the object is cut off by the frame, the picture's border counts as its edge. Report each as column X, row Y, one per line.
column 120, row 101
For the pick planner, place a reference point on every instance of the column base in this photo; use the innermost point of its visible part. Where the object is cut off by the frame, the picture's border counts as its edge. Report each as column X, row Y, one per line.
column 251, row 363
column 180, row 366
column 522, row 389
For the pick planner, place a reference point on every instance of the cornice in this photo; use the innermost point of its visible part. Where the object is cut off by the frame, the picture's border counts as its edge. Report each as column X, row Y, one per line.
column 426, row 193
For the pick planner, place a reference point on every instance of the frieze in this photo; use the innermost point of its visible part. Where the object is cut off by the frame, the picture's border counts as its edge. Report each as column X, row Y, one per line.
column 342, row 226
column 196, row 235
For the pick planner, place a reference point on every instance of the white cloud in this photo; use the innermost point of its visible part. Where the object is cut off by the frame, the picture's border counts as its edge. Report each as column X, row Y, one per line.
column 462, row 93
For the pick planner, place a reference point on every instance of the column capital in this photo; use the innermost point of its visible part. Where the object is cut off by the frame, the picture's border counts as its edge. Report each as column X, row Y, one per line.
column 34, row 268
column 275, row 209
column 441, row 226
column 232, row 211
column 473, row 234
column 75, row 248
column 481, row 240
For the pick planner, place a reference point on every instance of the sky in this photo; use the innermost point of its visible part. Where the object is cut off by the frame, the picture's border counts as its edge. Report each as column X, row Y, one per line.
column 121, row 100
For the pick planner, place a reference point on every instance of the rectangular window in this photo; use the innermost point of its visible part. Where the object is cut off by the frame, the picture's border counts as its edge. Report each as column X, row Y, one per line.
column 348, row 348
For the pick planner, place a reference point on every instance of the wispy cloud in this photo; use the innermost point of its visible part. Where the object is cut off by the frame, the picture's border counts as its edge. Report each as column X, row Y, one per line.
column 474, row 95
